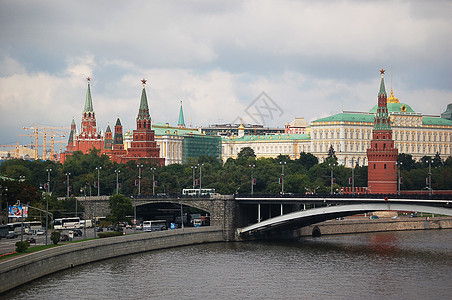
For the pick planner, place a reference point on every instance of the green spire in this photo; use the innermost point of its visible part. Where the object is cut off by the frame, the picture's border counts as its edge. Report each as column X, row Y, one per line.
column 118, row 122
column 108, row 128
column 382, row 87
column 88, row 101
column 181, row 122
column 73, row 122
column 143, row 112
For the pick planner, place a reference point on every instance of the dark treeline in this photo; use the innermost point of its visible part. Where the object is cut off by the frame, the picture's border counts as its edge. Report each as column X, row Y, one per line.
column 234, row 176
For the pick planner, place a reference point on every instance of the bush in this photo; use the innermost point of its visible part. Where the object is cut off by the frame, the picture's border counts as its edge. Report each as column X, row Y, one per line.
column 109, row 234
column 55, row 237
column 22, row 246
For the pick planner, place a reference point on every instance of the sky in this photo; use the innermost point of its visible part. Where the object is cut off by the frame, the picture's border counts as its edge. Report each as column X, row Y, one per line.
column 265, row 62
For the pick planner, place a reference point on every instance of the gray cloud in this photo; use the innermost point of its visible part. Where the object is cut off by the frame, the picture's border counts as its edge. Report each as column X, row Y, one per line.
column 313, row 58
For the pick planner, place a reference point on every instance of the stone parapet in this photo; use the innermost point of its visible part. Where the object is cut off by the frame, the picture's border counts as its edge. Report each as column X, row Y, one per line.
column 25, row 268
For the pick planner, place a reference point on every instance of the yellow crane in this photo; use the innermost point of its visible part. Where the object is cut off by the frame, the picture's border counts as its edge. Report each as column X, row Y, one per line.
column 42, row 131
column 16, row 152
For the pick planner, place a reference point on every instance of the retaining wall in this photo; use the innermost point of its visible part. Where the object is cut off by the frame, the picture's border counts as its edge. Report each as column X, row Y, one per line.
column 25, row 268
column 384, row 224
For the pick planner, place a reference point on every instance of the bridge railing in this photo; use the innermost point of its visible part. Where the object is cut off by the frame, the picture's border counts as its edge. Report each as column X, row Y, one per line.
column 367, row 196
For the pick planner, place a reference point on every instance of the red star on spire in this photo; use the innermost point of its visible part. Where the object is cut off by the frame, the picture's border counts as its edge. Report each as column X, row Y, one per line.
column 143, row 81
column 87, row 78
column 382, row 71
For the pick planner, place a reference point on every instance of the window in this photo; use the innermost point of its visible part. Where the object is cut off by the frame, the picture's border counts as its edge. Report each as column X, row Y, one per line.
column 385, row 166
column 374, row 166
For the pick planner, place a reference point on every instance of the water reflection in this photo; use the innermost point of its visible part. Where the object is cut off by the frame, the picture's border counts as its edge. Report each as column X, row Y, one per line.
column 399, row 265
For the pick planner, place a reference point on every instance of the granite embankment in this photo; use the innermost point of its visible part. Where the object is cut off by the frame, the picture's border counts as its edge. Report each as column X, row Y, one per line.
column 362, row 225
column 25, row 268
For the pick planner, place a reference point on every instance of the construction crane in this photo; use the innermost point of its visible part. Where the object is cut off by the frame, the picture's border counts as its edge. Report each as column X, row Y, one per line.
column 16, row 152
column 36, row 133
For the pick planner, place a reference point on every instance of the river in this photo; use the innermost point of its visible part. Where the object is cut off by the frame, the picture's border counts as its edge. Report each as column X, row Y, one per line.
column 391, row 265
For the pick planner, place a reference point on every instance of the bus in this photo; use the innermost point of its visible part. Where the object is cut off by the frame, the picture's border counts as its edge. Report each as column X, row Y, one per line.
column 201, row 221
column 4, row 230
column 15, row 227
column 32, row 226
column 67, row 223
column 196, row 192
column 88, row 223
column 154, row 225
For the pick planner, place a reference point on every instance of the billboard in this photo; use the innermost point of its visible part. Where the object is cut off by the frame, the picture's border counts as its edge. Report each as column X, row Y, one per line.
column 15, row 211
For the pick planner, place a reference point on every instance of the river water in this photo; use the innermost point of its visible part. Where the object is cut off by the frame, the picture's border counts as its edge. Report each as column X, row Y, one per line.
column 391, row 265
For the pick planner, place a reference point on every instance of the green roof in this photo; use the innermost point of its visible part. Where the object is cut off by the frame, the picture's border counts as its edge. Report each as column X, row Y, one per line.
column 143, row 111
column 395, row 108
column 270, row 137
column 349, row 117
column 162, row 129
column 436, row 121
column 181, row 121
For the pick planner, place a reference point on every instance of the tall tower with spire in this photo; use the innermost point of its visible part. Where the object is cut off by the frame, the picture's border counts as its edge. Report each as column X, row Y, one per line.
column 382, row 156
column 143, row 144
column 181, row 122
column 108, row 139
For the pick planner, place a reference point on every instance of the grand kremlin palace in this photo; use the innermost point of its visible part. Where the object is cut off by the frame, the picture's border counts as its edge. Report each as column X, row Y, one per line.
column 350, row 134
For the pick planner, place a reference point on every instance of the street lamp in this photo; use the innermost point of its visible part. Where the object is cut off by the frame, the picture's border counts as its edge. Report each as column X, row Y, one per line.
column 282, row 163
column 193, row 168
column 353, row 178
column 399, row 166
column 252, row 179
column 1, row 204
column 67, row 184
column 332, row 165
column 84, row 214
column 47, row 203
column 95, row 202
column 117, row 184
column 200, row 178
column 429, row 177
column 153, row 180
column 139, row 179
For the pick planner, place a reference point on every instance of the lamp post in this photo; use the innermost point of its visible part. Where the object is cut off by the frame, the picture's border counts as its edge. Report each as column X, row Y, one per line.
column 67, row 184
column 117, row 183
column 134, row 200
column 200, row 178
column 84, row 214
column 353, row 178
column 332, row 177
column 47, row 203
column 252, row 179
column 429, row 177
column 399, row 165
column 1, row 204
column 95, row 202
column 153, row 180
column 282, row 163
column 193, row 168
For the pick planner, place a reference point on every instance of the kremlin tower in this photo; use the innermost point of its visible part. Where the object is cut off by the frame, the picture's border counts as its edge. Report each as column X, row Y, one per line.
column 382, row 156
column 143, row 144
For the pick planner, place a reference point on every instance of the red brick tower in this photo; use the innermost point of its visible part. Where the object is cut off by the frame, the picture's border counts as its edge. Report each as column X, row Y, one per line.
column 143, row 144
column 382, row 156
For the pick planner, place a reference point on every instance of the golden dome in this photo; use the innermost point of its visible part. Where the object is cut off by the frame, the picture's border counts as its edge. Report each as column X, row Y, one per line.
column 392, row 99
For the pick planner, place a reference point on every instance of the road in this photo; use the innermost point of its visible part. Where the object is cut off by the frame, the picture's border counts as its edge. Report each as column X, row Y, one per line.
column 8, row 245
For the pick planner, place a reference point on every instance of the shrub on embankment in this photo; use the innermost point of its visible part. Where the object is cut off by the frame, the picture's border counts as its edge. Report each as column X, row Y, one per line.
column 109, row 234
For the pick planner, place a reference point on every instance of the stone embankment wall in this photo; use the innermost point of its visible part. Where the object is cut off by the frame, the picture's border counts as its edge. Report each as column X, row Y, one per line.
column 362, row 225
column 25, row 268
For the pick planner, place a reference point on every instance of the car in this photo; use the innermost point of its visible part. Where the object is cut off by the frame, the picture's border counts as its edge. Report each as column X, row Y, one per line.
column 374, row 217
column 31, row 240
column 12, row 235
column 77, row 232
column 64, row 237
column 99, row 229
column 40, row 232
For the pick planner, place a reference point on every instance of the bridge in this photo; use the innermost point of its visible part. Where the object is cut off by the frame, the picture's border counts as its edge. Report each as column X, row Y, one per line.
column 242, row 216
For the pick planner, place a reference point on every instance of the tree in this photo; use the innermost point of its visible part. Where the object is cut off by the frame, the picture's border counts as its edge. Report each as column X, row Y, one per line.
column 246, row 153
column 332, row 153
column 407, row 161
column 120, row 208
column 308, row 160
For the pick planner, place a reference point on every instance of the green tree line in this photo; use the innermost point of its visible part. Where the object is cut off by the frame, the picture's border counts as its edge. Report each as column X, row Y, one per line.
column 302, row 175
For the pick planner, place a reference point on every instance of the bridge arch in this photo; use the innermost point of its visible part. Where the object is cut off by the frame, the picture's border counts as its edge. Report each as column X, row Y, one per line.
column 316, row 215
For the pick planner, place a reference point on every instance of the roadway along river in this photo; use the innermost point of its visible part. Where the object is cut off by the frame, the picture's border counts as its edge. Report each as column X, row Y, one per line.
column 392, row 265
